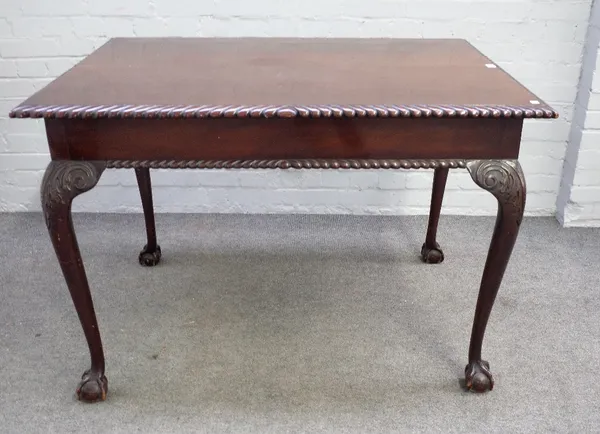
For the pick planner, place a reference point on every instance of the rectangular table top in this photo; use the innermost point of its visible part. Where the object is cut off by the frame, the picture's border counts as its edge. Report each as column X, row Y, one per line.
column 266, row 77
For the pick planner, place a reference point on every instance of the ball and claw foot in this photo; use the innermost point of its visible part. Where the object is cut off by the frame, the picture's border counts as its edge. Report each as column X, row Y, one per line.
column 92, row 387
column 432, row 255
column 478, row 377
column 149, row 258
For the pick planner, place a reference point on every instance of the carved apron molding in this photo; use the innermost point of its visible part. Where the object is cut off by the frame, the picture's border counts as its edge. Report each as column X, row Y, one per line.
column 288, row 164
column 66, row 179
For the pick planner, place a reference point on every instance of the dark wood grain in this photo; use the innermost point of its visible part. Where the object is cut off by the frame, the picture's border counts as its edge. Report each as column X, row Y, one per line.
column 254, row 77
column 151, row 253
column 506, row 181
column 63, row 181
column 222, row 139
column 431, row 252
column 57, row 140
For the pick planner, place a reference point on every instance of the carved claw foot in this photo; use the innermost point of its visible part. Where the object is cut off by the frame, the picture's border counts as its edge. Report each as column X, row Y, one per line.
column 148, row 258
column 92, row 387
column 478, row 377
column 432, row 255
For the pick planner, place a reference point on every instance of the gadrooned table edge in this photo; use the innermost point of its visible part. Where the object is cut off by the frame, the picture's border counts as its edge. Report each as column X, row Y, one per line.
column 283, row 111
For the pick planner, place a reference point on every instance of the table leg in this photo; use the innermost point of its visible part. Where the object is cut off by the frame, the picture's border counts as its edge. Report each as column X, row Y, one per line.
column 505, row 180
column 431, row 252
column 63, row 181
column 150, row 254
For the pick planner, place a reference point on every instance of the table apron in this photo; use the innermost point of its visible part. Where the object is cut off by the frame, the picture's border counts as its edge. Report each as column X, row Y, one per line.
column 274, row 139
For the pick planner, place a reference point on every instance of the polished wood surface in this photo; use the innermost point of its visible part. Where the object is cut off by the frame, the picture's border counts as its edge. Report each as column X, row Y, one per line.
column 283, row 103
column 142, row 73
column 150, row 254
column 431, row 251
column 222, row 139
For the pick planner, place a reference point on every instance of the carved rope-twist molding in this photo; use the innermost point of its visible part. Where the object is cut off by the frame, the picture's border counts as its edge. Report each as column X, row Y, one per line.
column 281, row 111
column 505, row 180
column 287, row 164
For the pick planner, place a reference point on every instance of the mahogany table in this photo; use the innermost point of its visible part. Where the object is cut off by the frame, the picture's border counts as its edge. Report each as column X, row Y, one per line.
column 277, row 104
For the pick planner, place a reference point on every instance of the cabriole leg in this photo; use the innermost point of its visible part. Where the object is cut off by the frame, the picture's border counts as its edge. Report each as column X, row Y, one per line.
column 505, row 180
column 431, row 252
column 150, row 254
column 63, row 181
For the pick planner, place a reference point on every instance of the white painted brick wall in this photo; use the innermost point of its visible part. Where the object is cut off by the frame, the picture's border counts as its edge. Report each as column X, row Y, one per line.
column 540, row 42
column 579, row 197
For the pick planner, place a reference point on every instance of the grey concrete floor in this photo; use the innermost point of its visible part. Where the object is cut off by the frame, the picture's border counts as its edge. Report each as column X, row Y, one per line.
column 276, row 324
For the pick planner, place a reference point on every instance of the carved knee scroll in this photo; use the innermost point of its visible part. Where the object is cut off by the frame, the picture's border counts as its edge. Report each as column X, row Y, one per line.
column 505, row 180
column 64, row 180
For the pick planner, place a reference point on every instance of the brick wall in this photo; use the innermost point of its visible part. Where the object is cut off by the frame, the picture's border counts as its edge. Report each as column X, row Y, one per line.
column 540, row 42
column 579, row 197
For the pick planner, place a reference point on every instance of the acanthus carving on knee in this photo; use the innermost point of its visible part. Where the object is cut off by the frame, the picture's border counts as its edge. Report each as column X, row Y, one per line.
column 64, row 180
column 505, row 180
